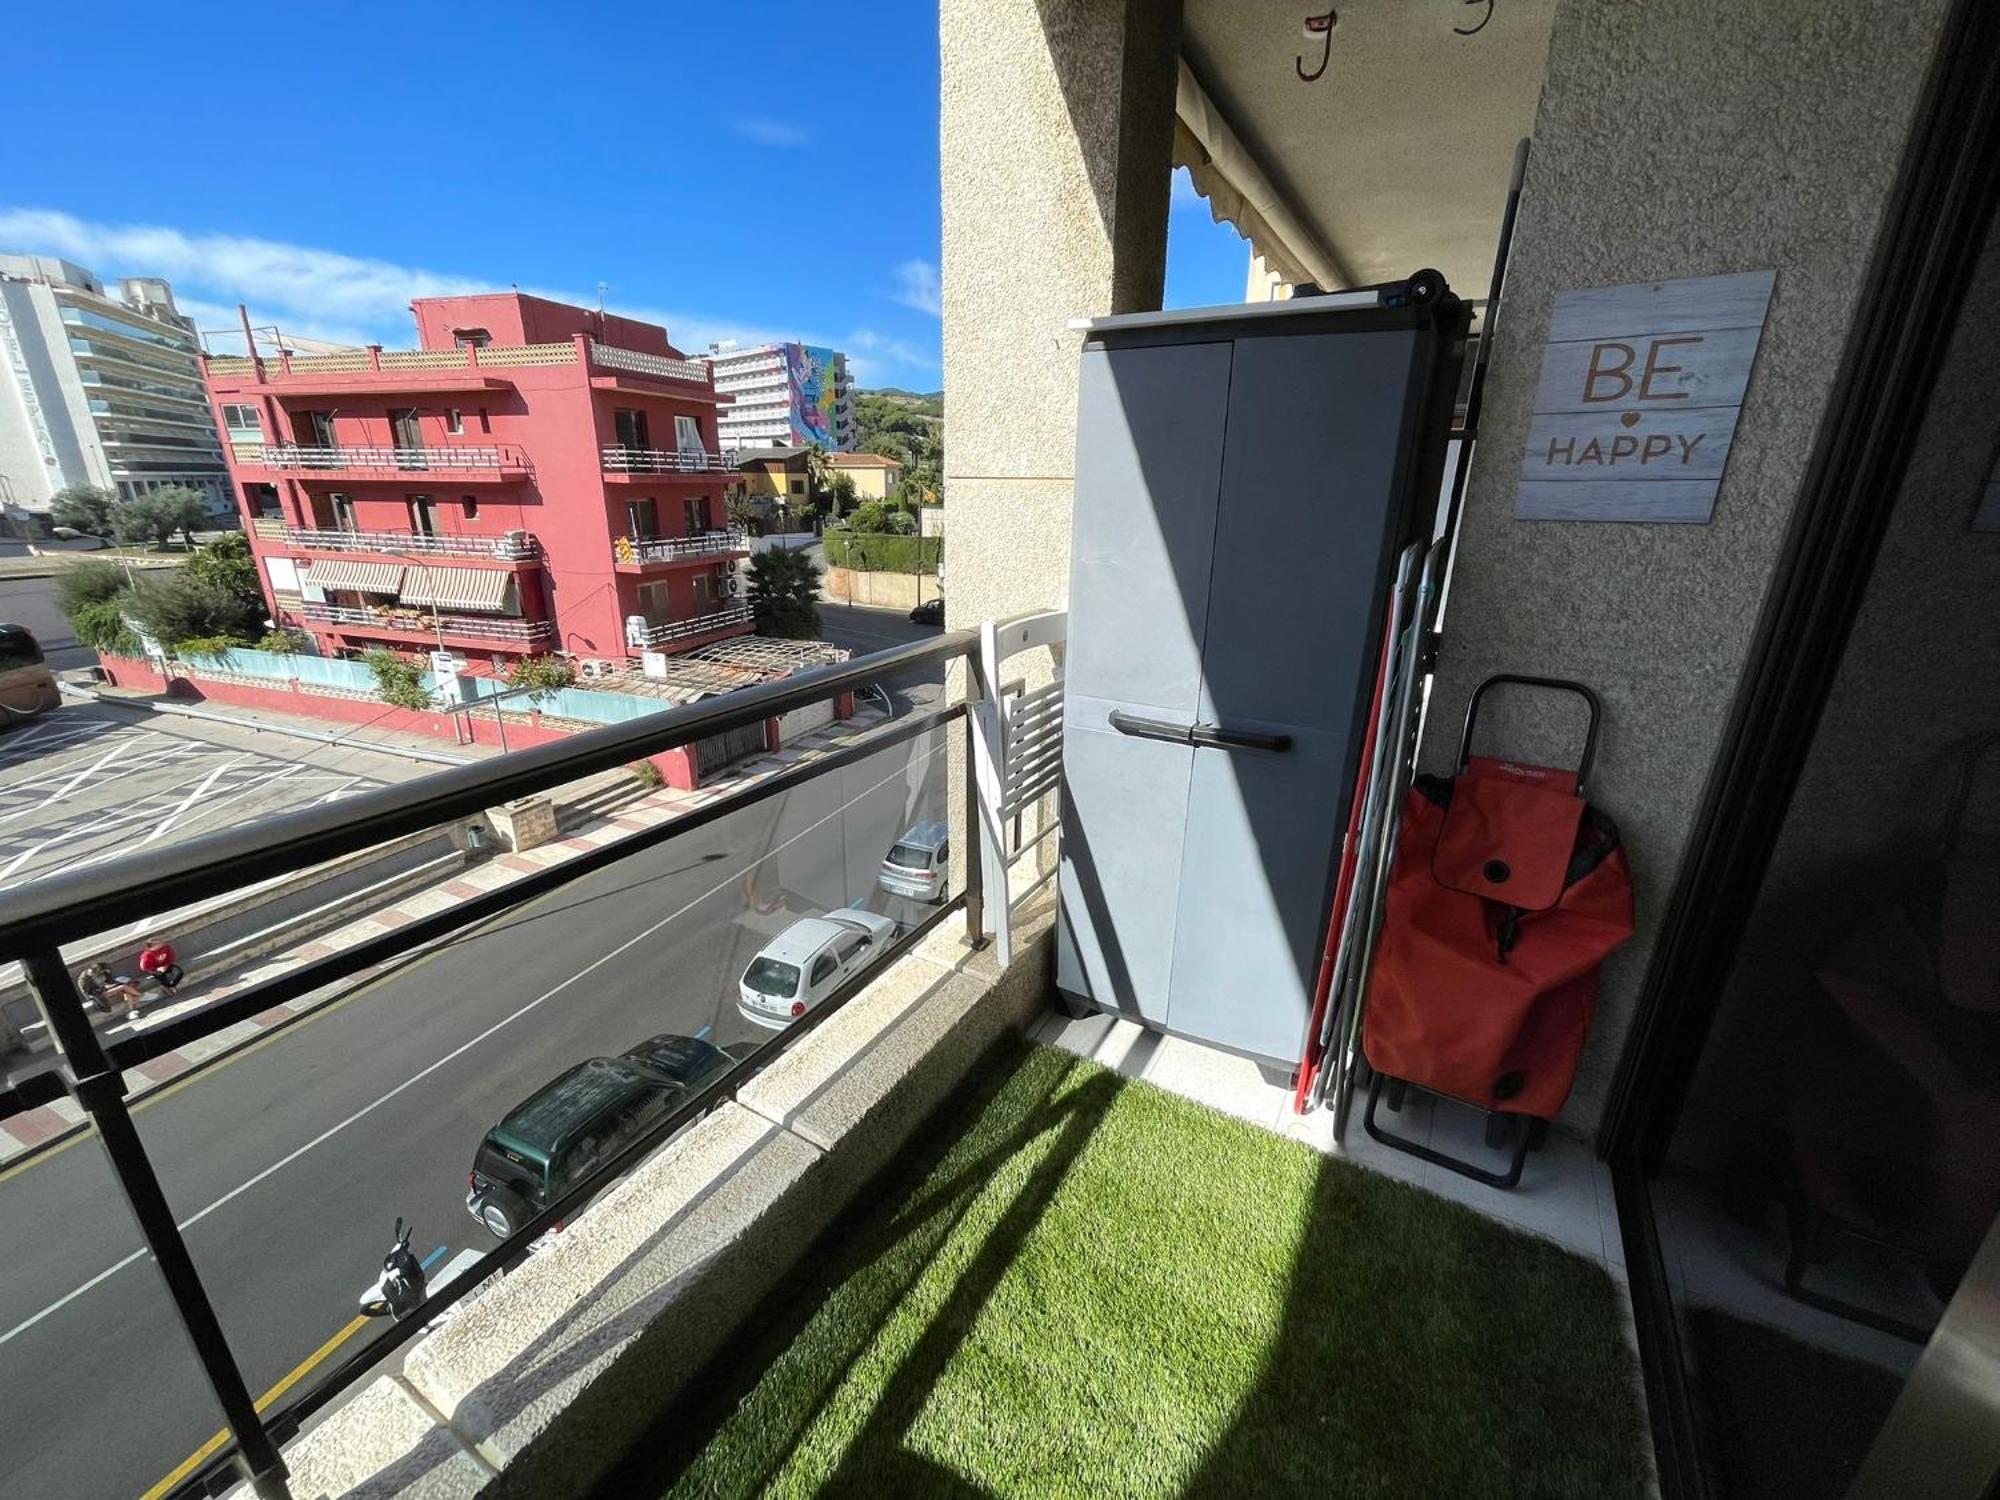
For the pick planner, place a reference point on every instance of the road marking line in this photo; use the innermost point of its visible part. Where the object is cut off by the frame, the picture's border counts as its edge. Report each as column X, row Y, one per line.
column 83, row 775
column 189, row 800
column 699, row 1035
column 299, row 1372
column 415, row 1078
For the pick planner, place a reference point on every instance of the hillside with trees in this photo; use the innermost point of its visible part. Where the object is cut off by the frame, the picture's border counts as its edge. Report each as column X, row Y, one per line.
column 907, row 426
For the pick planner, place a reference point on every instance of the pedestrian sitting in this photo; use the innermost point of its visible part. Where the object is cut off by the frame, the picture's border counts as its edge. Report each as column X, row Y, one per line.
column 114, row 994
column 157, row 963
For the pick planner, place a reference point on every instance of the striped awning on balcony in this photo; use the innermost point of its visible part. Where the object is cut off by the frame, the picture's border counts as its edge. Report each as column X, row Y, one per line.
column 457, row 588
column 368, row 577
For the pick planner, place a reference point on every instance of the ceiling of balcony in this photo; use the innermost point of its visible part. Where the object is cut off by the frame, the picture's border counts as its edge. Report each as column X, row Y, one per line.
column 1397, row 155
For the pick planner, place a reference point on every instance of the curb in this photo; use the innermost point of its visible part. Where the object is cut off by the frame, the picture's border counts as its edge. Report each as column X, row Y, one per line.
column 189, row 711
column 25, row 1136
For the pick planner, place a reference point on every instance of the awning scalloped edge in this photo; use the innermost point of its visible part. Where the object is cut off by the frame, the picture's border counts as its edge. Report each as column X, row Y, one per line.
column 1239, row 194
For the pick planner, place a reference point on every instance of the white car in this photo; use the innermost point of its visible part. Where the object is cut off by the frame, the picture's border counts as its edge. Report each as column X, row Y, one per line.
column 808, row 961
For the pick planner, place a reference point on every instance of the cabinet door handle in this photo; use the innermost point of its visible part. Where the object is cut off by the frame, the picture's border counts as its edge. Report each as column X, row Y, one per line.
column 1150, row 729
column 1215, row 737
column 1205, row 736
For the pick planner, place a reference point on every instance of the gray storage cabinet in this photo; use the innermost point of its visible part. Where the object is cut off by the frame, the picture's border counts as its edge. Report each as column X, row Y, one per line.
column 1243, row 485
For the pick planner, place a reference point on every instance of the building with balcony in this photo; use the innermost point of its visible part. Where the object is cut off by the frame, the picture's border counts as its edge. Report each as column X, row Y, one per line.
column 783, row 395
column 531, row 478
column 98, row 388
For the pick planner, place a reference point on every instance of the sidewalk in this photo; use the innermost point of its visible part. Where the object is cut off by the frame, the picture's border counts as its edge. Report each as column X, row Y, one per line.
column 47, row 1124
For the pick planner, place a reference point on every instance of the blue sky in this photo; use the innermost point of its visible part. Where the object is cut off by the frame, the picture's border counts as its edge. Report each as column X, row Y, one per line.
column 748, row 171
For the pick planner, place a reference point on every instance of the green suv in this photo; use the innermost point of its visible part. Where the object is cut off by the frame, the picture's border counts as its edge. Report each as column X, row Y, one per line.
column 559, row 1133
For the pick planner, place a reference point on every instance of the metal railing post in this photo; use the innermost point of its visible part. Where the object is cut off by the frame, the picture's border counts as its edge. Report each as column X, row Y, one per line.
column 972, row 847
column 100, row 1089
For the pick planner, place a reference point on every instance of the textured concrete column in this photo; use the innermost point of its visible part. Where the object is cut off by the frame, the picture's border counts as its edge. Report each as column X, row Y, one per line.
column 1056, row 134
column 1672, row 141
column 1057, row 122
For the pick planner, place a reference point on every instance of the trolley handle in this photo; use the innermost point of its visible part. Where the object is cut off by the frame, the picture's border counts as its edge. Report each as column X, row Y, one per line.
column 1554, row 684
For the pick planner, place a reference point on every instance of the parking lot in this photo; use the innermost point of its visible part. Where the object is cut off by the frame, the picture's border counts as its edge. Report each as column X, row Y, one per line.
column 87, row 783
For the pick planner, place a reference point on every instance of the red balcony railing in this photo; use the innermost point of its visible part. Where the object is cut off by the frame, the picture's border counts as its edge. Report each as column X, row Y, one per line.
column 678, row 548
column 506, row 628
column 667, row 461
column 640, row 636
column 511, row 546
column 456, row 458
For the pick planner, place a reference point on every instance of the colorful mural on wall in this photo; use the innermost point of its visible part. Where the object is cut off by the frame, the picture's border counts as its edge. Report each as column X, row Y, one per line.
column 810, row 370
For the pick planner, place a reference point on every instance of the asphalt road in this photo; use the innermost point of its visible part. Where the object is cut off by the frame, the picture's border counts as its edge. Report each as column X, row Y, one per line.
column 863, row 629
column 32, row 602
column 288, row 1163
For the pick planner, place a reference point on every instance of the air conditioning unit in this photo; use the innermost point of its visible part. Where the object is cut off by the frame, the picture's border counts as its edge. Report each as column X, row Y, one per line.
column 733, row 585
column 637, row 632
column 511, row 543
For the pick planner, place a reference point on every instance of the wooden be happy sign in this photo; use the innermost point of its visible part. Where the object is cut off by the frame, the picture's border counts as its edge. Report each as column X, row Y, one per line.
column 1638, row 399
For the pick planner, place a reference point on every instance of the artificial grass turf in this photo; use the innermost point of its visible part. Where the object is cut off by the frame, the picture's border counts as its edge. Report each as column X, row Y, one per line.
column 1089, row 1287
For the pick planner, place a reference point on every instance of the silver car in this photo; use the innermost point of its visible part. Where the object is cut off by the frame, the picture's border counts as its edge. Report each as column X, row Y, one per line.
column 920, row 865
column 808, row 961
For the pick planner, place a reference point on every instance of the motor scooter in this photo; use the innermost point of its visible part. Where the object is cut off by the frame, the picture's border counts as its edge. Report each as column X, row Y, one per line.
column 400, row 1289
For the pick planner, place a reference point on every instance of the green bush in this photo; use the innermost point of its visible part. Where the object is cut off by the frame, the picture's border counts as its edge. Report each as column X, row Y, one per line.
column 185, row 606
column 155, row 516
column 102, row 627
column 541, row 674
column 398, row 679
column 88, row 583
column 883, row 553
column 285, row 641
column 83, row 507
column 647, row 774
column 205, row 647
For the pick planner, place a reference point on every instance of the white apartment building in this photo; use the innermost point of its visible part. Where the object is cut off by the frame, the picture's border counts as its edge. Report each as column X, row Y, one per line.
column 99, row 389
column 783, row 396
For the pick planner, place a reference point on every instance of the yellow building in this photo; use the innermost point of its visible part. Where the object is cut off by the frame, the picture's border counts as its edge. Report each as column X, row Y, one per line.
column 874, row 476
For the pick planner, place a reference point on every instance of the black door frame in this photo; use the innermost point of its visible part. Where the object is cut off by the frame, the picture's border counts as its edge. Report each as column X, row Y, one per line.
column 1934, row 226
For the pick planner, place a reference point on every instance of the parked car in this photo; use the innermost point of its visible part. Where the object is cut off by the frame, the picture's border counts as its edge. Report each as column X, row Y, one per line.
column 564, row 1129
column 919, row 866
column 810, row 960
column 930, row 612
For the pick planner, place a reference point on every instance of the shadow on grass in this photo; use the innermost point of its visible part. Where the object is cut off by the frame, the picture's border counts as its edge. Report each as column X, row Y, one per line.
column 1210, row 1311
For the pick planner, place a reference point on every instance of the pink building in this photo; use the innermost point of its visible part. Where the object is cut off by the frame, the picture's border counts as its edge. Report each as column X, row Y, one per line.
column 532, row 478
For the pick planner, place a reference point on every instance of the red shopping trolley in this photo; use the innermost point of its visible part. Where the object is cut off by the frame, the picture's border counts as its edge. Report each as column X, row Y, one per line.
column 1507, row 892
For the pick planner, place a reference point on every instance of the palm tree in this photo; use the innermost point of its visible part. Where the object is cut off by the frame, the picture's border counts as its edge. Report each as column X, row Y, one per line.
column 819, row 474
column 784, row 594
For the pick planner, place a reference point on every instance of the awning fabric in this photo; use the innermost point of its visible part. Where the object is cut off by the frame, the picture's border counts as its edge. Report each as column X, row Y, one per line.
column 368, row 577
column 457, row 588
column 1239, row 193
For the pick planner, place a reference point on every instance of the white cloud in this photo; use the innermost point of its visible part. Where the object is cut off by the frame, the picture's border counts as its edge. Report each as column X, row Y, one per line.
column 766, row 131
column 324, row 294
column 917, row 286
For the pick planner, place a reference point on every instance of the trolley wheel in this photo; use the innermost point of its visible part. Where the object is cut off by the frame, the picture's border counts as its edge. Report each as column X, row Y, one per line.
column 1499, row 1130
column 1425, row 287
column 1397, row 1089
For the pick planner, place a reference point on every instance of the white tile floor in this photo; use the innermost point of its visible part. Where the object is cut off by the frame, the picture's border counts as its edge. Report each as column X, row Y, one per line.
column 1564, row 1193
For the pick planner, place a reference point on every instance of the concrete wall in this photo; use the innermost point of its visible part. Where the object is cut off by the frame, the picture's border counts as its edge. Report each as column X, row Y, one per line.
column 887, row 590
column 1673, row 141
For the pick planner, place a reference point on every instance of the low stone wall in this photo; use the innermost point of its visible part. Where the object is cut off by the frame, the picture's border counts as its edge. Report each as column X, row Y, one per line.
column 545, row 1380
column 883, row 590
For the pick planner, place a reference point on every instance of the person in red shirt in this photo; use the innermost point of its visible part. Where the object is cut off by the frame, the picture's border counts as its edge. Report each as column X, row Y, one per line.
column 156, row 962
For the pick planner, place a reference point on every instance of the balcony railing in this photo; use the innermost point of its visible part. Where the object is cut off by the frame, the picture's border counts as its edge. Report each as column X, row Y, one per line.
column 512, row 546
column 639, row 363
column 647, row 637
column 619, row 460
column 506, row 628
column 676, row 548
column 39, row 918
column 457, row 458
column 288, row 366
